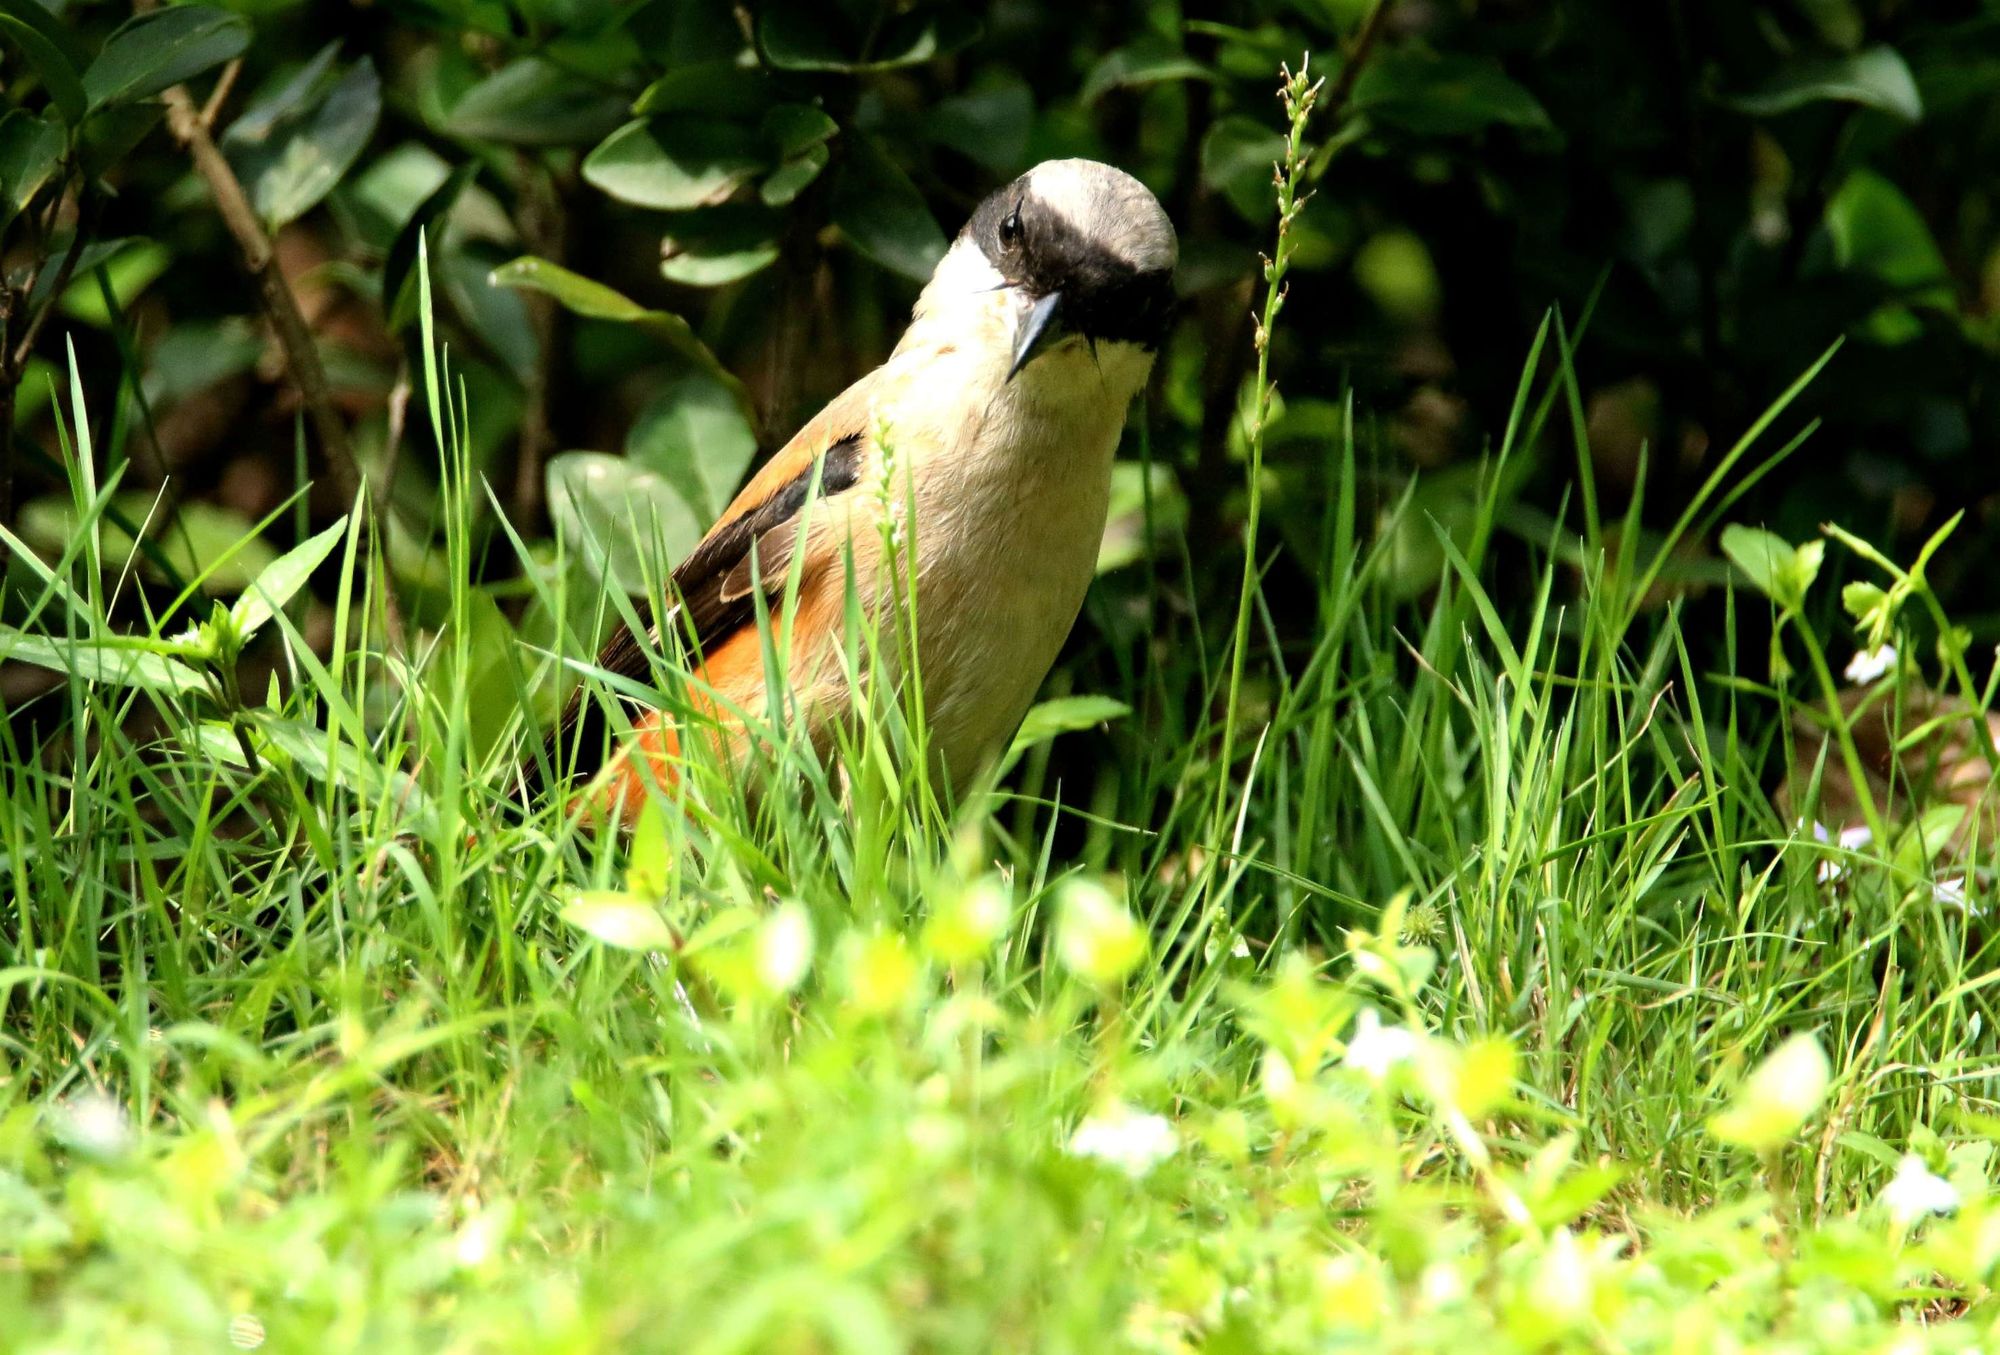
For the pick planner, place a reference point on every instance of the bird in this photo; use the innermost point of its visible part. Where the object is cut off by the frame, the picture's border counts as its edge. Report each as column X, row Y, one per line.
column 991, row 429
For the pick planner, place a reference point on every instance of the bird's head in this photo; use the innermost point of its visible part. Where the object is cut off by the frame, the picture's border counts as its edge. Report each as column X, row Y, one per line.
column 1080, row 255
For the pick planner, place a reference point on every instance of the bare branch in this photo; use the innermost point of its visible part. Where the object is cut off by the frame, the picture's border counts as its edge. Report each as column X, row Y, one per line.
column 280, row 305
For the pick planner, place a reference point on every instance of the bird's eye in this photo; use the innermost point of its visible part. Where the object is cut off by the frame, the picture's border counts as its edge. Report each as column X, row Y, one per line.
column 1010, row 229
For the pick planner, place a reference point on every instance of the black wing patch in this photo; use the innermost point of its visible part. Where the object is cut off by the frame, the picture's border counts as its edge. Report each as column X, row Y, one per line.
column 715, row 590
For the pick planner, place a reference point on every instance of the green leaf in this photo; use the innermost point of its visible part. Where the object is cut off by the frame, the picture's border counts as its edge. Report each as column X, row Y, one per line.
column 1063, row 715
column 628, row 525
column 1125, row 537
column 496, row 316
column 281, row 580
column 675, row 163
column 130, row 272
column 989, row 125
column 1482, row 1076
column 1148, row 61
column 291, row 148
column 714, row 89
column 583, row 296
column 807, row 35
column 303, row 748
column 109, row 135
column 1864, row 602
column 1878, row 232
column 399, row 270
column 695, row 436
column 1771, row 564
column 1236, row 159
column 718, row 245
column 1777, row 1098
column 1923, row 841
column 1840, row 25
column 1877, row 78
column 30, row 150
column 119, row 663
column 529, row 102
column 391, row 185
column 52, row 49
column 649, row 871
column 44, row 18
column 281, row 101
column 492, row 680
column 792, row 129
column 206, row 539
column 787, row 181
column 1097, row 938
column 93, row 254
column 883, row 215
column 196, row 354
column 158, row 50
column 620, row 920
column 578, row 294
column 1447, row 94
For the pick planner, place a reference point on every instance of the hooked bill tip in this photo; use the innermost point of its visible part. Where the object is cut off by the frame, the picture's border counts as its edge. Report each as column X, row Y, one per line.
column 1039, row 328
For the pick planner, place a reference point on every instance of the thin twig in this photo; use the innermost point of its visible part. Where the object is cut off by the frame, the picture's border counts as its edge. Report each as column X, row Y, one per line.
column 542, row 228
column 218, row 96
column 280, row 305
column 9, row 384
column 392, row 448
column 383, row 489
column 1342, row 87
column 14, row 354
column 88, row 204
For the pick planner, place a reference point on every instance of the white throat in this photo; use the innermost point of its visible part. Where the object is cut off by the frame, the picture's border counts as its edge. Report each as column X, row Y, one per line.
column 969, row 308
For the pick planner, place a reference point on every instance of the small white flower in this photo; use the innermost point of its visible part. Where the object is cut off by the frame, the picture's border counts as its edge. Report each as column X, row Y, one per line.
column 1441, row 1285
column 93, row 1123
column 1562, row 1283
column 1917, row 1191
column 1869, row 664
column 1280, row 1081
column 1133, row 1141
column 246, row 1332
column 1950, row 893
column 1374, row 1048
column 1851, row 840
column 482, row 1235
column 785, row 947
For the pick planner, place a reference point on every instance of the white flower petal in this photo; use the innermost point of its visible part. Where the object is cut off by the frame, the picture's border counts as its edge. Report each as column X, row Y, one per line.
column 1133, row 1141
column 1375, row 1049
column 1917, row 1191
column 1869, row 664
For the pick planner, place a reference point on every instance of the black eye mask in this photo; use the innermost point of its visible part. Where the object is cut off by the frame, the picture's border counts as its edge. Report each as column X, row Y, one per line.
column 1105, row 298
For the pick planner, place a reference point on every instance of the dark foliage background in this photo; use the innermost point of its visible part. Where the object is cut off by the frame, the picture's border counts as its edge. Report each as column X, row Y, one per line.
column 734, row 206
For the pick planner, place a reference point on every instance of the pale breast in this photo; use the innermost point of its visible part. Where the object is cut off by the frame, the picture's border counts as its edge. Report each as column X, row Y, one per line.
column 1008, row 543
column 1009, row 482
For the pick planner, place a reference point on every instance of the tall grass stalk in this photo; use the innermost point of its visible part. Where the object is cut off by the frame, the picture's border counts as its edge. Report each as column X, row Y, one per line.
column 1298, row 92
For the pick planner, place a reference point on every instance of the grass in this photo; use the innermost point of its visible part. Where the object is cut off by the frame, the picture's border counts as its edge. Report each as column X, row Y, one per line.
column 1497, row 1002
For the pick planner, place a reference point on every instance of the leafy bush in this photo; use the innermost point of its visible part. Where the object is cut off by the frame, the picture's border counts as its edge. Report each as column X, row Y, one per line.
column 1445, row 898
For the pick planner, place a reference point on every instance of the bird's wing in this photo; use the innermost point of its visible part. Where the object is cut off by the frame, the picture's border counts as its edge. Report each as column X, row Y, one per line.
column 748, row 549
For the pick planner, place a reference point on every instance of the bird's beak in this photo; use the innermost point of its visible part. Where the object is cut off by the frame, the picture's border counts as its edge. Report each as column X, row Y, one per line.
column 1040, row 327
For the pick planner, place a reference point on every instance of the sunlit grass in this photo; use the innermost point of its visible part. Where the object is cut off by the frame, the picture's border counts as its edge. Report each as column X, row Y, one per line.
column 312, row 1030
